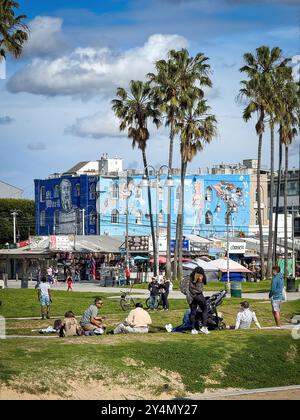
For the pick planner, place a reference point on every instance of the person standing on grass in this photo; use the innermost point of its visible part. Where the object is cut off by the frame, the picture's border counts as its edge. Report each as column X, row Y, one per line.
column 44, row 296
column 153, row 287
column 196, row 298
column 276, row 293
column 90, row 320
column 69, row 281
column 164, row 290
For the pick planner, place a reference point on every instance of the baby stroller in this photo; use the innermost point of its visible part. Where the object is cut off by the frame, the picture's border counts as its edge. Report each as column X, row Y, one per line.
column 214, row 321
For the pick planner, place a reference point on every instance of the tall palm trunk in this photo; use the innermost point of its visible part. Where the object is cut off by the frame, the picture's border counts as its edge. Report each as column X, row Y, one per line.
column 286, row 174
column 156, row 272
column 181, row 220
column 270, row 237
column 169, row 220
column 277, row 198
column 175, row 263
column 261, row 244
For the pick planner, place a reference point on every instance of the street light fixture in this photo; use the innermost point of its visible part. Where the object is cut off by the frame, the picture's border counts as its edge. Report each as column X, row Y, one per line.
column 168, row 184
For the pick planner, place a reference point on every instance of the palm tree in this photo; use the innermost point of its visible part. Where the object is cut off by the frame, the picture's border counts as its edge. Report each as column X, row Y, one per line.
column 13, row 31
column 289, row 113
column 172, row 78
column 280, row 144
column 262, row 69
column 134, row 109
column 255, row 104
column 196, row 128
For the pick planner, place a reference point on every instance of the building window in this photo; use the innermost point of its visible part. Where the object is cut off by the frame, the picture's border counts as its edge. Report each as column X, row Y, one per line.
column 208, row 218
column 92, row 191
column 139, row 218
column 56, row 191
column 77, row 190
column 178, row 190
column 292, row 188
column 161, row 217
column 93, row 217
column 43, row 194
column 42, row 218
column 115, row 191
column 56, row 218
column 208, row 194
column 115, row 217
column 138, row 193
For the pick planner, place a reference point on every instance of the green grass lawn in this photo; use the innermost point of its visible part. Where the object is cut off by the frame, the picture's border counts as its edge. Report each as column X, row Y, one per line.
column 152, row 364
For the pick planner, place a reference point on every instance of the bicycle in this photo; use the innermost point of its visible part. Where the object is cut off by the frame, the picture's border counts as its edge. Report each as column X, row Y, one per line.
column 158, row 302
column 127, row 301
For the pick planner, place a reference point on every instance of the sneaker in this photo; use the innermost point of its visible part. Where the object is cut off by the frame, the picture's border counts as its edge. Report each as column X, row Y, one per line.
column 204, row 330
column 42, row 317
column 169, row 327
column 194, row 331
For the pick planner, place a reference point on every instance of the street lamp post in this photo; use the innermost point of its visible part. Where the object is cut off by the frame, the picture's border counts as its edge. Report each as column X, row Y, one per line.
column 168, row 183
column 230, row 208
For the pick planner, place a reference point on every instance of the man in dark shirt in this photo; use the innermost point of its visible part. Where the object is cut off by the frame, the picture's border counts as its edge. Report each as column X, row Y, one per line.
column 154, row 293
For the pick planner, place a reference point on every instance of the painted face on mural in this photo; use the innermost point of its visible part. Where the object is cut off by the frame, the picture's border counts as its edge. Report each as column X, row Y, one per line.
column 65, row 193
column 227, row 190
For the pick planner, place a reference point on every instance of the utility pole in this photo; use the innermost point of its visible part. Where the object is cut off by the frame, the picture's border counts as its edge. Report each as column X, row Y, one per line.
column 83, row 222
column 14, row 214
column 126, row 239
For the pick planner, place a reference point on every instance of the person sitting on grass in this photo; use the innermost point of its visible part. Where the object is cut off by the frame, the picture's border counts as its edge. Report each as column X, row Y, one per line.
column 44, row 296
column 70, row 326
column 90, row 321
column 244, row 318
column 138, row 321
column 186, row 322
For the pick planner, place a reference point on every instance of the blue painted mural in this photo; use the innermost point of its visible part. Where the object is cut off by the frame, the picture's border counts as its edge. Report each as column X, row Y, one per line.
column 59, row 202
column 58, row 205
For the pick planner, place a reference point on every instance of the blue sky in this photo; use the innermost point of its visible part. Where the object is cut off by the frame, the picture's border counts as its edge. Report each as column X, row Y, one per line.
column 55, row 108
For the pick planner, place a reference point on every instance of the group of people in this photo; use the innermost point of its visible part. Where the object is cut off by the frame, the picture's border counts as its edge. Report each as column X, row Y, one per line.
column 139, row 320
column 159, row 288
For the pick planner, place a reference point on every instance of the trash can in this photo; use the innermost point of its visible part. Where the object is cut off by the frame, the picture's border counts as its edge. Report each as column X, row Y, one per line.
column 290, row 284
column 24, row 283
column 108, row 282
column 236, row 290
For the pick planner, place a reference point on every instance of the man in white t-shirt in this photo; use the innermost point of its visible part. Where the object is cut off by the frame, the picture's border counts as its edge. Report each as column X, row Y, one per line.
column 44, row 295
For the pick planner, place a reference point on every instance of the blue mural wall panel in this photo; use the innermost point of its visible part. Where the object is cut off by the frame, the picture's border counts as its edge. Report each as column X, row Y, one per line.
column 204, row 205
column 58, row 202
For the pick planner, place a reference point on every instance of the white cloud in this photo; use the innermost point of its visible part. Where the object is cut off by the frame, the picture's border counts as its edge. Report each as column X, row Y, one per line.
column 45, row 36
column 92, row 71
column 101, row 124
column 36, row 146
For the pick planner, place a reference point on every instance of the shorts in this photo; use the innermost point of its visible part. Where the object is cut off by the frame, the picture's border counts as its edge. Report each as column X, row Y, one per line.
column 89, row 327
column 45, row 300
column 276, row 305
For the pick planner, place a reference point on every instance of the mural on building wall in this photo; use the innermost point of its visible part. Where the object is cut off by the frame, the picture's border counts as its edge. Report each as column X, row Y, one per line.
column 58, row 202
column 69, row 220
column 202, row 195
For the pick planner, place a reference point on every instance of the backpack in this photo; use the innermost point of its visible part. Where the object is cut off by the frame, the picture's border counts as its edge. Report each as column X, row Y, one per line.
column 184, row 284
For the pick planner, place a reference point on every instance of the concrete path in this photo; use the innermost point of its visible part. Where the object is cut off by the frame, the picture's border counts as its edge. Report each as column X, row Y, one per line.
column 139, row 293
column 281, row 393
